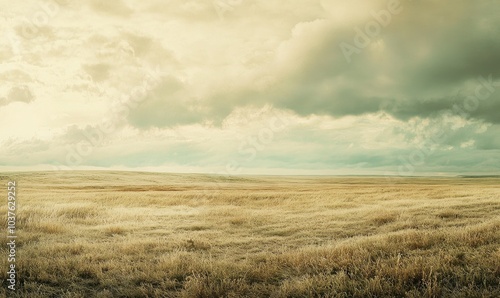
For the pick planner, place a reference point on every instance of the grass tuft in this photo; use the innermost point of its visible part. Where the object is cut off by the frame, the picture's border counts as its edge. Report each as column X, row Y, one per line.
column 109, row 234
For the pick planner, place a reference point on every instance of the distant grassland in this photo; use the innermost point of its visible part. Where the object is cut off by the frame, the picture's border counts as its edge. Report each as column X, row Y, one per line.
column 125, row 234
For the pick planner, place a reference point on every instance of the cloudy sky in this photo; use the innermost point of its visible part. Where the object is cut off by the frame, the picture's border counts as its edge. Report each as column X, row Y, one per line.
column 251, row 86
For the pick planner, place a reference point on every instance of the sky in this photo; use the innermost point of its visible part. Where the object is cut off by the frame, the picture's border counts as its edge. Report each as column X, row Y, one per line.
column 304, row 87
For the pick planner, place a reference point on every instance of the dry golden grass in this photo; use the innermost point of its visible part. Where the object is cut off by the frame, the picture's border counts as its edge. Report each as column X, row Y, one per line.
column 123, row 234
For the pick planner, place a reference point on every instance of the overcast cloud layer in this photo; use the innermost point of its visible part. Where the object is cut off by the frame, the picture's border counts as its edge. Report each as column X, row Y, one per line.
column 249, row 86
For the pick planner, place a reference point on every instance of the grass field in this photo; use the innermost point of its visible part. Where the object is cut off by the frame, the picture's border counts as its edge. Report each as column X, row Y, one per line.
column 125, row 234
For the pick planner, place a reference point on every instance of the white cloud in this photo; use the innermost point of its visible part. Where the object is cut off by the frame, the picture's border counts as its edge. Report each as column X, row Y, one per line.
column 226, row 75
